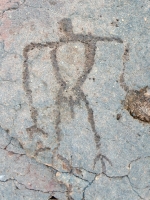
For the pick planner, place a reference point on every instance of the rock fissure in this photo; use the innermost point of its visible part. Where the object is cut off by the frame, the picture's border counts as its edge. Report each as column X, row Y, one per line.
column 12, row 179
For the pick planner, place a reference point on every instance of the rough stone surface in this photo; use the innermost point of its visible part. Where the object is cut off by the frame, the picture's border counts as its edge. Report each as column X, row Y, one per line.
column 74, row 100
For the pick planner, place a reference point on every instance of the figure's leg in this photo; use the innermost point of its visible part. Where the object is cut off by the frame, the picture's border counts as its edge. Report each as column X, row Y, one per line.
column 90, row 49
column 41, row 88
column 97, row 138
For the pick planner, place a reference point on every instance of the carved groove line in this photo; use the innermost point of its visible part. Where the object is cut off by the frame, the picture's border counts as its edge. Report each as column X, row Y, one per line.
column 89, row 43
column 137, row 102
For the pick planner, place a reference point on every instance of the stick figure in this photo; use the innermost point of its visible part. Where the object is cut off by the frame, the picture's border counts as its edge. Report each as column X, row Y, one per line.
column 76, row 95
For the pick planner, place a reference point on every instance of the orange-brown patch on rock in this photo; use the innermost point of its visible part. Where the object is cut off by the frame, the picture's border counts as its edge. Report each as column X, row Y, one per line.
column 5, row 32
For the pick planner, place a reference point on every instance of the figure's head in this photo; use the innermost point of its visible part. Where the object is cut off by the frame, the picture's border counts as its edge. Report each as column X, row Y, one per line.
column 65, row 26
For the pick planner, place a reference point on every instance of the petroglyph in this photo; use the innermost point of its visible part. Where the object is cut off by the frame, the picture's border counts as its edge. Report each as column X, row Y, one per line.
column 63, row 90
column 137, row 102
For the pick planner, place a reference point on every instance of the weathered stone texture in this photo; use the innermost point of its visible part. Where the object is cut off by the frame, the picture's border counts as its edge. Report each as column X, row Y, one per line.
column 74, row 100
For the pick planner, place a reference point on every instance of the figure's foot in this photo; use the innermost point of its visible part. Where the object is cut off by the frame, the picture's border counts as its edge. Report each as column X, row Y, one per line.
column 102, row 158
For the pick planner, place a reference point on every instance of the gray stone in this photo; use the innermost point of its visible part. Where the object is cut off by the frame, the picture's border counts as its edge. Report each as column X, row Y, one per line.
column 110, row 188
column 139, row 176
column 67, row 68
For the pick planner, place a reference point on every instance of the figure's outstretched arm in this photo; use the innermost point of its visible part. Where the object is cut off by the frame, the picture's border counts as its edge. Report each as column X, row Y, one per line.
column 109, row 39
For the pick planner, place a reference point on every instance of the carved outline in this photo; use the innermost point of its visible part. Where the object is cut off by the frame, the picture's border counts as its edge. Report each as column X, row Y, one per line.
column 89, row 42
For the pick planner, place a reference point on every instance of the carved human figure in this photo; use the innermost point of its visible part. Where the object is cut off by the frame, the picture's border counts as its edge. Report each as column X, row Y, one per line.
column 64, row 94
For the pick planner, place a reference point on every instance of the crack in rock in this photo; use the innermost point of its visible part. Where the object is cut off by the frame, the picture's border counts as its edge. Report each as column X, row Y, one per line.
column 14, row 180
column 112, row 177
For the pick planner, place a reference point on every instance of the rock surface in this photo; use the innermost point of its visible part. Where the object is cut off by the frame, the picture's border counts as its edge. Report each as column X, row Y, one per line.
column 74, row 100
